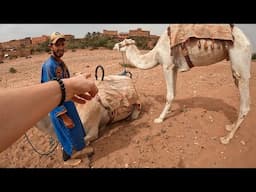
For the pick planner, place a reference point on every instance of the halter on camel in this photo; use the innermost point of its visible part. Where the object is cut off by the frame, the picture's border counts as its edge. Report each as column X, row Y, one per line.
column 124, row 58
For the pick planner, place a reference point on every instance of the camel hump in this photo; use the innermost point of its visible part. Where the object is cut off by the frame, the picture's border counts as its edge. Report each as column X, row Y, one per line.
column 180, row 33
column 117, row 91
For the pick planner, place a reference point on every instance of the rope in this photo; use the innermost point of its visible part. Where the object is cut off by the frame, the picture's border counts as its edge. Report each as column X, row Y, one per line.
column 52, row 141
column 124, row 61
column 124, row 65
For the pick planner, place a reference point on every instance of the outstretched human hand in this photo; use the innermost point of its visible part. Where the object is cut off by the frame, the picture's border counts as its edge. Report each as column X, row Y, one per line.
column 81, row 88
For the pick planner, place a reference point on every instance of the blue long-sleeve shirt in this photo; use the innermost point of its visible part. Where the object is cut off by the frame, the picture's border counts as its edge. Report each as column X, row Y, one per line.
column 70, row 138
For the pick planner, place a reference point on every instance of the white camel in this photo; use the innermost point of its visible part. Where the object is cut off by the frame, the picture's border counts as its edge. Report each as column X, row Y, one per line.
column 172, row 61
column 97, row 113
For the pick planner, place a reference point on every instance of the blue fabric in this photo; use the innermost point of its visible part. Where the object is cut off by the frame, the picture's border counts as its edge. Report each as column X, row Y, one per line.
column 69, row 138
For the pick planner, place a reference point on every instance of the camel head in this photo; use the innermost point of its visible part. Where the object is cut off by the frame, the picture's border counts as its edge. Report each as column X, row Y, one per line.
column 122, row 46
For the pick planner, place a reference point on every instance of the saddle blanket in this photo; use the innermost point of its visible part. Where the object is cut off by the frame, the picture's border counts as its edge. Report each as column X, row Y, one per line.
column 118, row 94
column 180, row 33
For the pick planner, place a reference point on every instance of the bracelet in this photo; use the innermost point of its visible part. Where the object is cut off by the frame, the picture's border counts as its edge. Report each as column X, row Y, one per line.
column 63, row 90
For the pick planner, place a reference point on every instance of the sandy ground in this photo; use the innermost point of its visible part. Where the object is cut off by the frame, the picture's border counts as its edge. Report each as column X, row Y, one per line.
column 206, row 101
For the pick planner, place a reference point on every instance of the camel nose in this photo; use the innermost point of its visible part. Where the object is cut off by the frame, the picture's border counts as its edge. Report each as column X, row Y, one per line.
column 116, row 47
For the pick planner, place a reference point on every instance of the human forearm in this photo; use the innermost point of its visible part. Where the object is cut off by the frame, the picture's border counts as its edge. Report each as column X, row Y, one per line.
column 23, row 107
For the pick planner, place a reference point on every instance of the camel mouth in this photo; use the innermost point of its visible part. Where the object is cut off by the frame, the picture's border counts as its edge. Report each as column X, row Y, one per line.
column 116, row 47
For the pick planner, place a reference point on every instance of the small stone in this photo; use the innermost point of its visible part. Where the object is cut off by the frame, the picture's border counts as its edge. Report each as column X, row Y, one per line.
column 163, row 131
column 242, row 142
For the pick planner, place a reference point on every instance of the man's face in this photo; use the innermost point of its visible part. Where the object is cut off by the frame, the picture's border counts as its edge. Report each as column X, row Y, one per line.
column 58, row 48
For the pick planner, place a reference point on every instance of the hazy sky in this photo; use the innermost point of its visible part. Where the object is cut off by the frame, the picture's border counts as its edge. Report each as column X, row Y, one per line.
column 19, row 31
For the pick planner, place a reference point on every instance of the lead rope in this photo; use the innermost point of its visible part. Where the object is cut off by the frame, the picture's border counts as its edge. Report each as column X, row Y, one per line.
column 52, row 142
column 124, row 65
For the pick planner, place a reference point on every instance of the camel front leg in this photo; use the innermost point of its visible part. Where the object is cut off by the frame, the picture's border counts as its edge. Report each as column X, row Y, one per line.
column 136, row 111
column 170, row 74
column 92, row 134
column 92, row 128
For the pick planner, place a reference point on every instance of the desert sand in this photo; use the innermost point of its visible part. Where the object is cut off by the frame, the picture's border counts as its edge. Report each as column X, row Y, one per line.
column 207, row 99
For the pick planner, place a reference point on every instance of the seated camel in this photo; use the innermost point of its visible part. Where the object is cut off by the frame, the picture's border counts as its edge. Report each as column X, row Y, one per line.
column 183, row 46
column 116, row 100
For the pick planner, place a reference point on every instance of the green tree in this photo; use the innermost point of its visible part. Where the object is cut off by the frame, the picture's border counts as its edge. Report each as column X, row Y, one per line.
column 141, row 42
column 42, row 47
column 254, row 56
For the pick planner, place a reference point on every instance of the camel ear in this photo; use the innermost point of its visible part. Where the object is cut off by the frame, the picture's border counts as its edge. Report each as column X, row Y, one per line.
column 129, row 41
column 126, row 41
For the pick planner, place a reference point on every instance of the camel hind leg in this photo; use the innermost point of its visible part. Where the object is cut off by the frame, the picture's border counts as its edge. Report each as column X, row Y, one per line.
column 240, row 63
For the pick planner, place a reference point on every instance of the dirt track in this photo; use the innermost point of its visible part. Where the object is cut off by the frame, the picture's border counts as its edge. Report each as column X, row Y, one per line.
column 206, row 101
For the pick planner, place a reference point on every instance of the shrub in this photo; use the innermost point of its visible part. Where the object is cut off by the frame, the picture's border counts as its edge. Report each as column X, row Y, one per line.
column 12, row 70
column 42, row 47
column 141, row 42
column 253, row 56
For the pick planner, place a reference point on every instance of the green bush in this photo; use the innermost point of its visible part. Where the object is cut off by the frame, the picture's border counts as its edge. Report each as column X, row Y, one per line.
column 13, row 56
column 42, row 47
column 110, row 43
column 93, row 40
column 141, row 42
column 253, row 56
column 12, row 70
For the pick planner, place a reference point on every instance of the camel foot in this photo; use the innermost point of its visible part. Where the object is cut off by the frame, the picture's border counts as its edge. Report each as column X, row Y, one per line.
column 72, row 162
column 224, row 140
column 88, row 138
column 184, row 69
column 229, row 127
column 88, row 151
column 158, row 120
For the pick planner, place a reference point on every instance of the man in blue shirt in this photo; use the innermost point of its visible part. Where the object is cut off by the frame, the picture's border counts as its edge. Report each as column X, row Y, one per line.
column 65, row 119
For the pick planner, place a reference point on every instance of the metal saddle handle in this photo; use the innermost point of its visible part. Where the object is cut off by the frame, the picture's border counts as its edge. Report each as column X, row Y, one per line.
column 96, row 72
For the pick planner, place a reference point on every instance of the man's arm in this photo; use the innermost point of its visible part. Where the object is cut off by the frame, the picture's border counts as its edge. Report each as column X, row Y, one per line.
column 21, row 108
